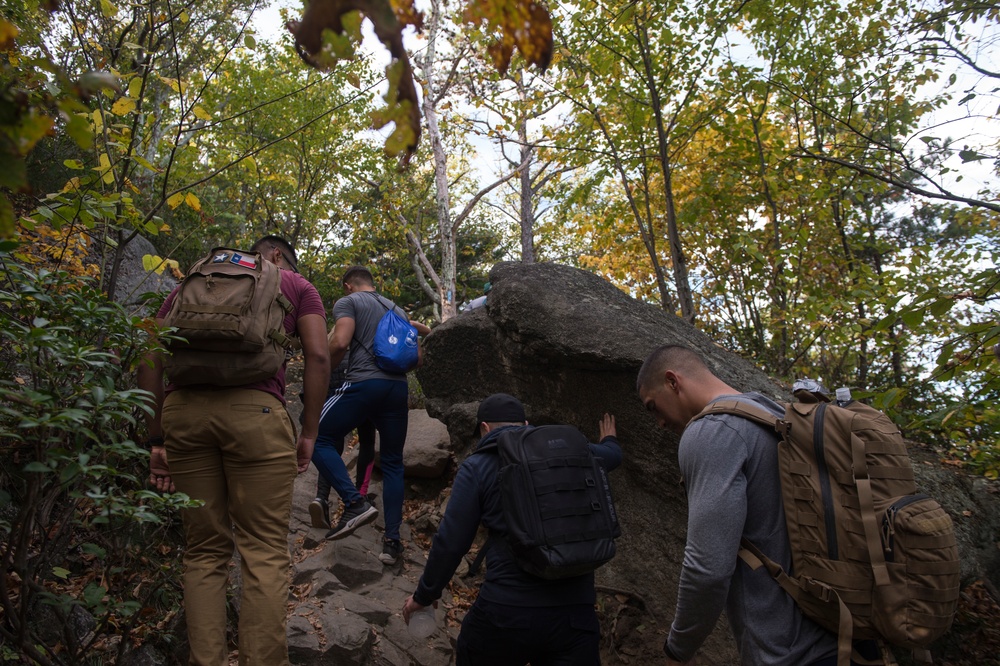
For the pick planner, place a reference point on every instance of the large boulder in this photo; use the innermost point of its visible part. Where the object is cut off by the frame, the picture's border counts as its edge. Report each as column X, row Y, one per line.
column 132, row 280
column 570, row 344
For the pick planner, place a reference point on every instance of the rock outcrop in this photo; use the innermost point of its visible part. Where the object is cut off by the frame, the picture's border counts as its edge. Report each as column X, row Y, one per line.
column 569, row 344
column 133, row 279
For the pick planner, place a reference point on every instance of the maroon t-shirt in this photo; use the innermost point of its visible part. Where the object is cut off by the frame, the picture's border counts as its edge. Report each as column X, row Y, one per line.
column 305, row 301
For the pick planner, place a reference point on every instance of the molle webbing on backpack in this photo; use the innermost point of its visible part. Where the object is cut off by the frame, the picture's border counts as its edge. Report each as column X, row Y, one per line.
column 229, row 314
column 556, row 501
column 871, row 558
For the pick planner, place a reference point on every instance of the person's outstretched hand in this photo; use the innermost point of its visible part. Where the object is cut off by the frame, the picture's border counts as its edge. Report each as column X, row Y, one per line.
column 410, row 607
column 607, row 426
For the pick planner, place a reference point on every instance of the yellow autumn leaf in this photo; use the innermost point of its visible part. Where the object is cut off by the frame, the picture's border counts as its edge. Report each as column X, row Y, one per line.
column 201, row 113
column 175, row 200
column 123, row 106
column 98, row 121
column 192, row 201
column 173, row 83
column 134, row 87
column 151, row 262
column 105, row 169
column 8, row 31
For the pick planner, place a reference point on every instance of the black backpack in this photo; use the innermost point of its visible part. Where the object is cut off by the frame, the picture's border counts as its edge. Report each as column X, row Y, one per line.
column 556, row 500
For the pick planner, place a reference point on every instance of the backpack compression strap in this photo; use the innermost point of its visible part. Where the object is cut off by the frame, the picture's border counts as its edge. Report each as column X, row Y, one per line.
column 755, row 559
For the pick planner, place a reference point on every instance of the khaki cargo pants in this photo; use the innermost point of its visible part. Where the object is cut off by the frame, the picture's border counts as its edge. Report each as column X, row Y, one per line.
column 234, row 449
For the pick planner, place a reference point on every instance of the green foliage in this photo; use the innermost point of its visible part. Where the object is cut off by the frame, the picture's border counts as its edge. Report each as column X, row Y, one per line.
column 76, row 524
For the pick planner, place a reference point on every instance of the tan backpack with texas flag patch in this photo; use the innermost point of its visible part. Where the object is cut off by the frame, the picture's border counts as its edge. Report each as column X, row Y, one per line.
column 228, row 316
column 871, row 557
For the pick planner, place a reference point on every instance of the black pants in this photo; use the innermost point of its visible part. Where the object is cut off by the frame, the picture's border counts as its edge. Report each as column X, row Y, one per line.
column 498, row 635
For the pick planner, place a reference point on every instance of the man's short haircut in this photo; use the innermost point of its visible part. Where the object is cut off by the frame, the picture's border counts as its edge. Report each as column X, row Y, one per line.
column 358, row 275
column 669, row 357
column 286, row 249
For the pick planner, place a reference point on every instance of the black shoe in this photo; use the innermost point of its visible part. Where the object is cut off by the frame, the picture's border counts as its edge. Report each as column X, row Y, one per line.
column 353, row 517
column 319, row 513
column 391, row 550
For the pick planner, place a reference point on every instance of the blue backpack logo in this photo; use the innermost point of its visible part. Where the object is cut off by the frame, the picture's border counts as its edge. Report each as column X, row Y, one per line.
column 395, row 344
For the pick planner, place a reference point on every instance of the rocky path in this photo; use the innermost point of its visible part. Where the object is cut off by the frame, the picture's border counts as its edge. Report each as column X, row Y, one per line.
column 346, row 606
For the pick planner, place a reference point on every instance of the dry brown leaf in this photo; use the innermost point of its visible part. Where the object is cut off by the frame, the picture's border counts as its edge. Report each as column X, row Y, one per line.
column 523, row 24
column 388, row 18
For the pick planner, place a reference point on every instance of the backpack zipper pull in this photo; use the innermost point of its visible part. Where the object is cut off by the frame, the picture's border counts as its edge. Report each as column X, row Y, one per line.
column 888, row 532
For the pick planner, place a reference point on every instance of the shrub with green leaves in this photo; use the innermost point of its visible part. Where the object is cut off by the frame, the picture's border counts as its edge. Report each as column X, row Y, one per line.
column 78, row 529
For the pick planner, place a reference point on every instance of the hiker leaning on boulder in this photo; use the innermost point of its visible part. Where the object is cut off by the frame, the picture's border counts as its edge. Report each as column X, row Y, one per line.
column 731, row 476
column 518, row 617
column 233, row 447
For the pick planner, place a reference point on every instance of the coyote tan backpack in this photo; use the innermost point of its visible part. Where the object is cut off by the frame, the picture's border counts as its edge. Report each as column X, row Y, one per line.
column 229, row 312
column 871, row 557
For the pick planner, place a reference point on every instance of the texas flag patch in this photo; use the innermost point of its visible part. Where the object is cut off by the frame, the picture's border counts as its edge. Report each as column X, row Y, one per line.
column 245, row 262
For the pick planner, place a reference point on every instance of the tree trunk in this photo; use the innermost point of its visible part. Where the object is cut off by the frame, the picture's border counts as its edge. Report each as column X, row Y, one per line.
column 681, row 280
column 527, row 159
column 441, row 194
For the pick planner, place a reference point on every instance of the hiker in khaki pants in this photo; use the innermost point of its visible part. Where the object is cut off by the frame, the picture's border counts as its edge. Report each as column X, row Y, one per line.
column 234, row 448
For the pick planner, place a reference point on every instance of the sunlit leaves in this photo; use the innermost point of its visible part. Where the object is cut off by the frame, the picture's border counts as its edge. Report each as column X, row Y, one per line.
column 156, row 264
column 200, row 113
column 123, row 106
column 108, row 8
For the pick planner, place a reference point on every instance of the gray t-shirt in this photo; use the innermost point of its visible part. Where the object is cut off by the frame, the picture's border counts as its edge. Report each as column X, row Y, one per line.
column 366, row 309
column 730, row 470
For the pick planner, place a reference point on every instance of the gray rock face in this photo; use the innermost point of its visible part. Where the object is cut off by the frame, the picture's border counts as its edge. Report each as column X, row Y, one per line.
column 425, row 454
column 569, row 345
column 134, row 280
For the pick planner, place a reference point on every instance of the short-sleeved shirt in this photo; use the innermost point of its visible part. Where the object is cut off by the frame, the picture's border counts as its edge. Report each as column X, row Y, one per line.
column 305, row 301
column 366, row 308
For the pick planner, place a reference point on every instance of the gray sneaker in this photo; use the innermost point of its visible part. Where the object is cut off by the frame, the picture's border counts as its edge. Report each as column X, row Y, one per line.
column 391, row 550
column 353, row 517
column 319, row 513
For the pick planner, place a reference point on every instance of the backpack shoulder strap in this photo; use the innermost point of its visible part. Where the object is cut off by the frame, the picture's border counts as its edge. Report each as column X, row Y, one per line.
column 378, row 299
column 354, row 335
column 746, row 410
